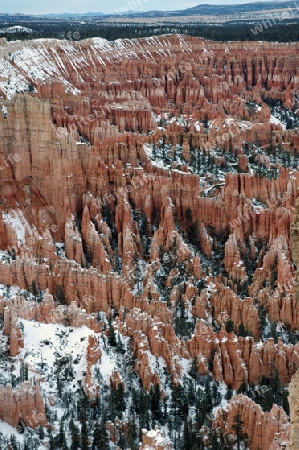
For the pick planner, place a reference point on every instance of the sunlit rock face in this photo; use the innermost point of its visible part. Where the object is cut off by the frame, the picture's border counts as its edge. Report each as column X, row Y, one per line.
column 149, row 186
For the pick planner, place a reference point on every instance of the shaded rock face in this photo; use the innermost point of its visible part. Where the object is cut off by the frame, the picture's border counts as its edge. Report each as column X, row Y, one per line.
column 139, row 181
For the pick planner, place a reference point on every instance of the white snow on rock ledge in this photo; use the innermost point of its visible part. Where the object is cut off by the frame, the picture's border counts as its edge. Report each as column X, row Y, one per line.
column 45, row 60
column 17, row 222
column 44, row 342
column 277, row 122
column 154, row 439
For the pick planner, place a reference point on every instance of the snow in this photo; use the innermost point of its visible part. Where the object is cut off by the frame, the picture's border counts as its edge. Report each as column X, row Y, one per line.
column 15, row 222
column 41, row 60
column 107, row 366
column 13, row 290
column 36, row 62
column 197, row 126
column 156, row 436
column 7, row 430
column 277, row 122
column 16, row 29
column 222, row 388
column 186, row 366
column 60, row 249
column 4, row 111
column 43, row 343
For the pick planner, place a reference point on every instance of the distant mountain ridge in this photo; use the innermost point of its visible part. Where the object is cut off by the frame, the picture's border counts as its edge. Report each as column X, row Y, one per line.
column 73, row 15
column 220, row 10
column 239, row 8
column 204, row 10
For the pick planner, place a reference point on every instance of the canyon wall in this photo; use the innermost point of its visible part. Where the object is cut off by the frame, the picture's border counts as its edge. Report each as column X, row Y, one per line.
column 148, row 181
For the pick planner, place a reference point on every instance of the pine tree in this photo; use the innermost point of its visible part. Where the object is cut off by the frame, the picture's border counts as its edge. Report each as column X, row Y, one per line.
column 273, row 332
column 194, row 370
column 24, row 372
column 84, row 434
column 132, row 433
column 111, row 336
column 75, row 435
column 144, row 231
column 188, row 215
column 137, row 274
column 179, row 401
column 154, row 152
column 13, row 442
column 34, row 289
column 242, row 330
column 163, row 140
column 187, row 437
column 51, row 440
column 242, row 388
column 215, row 394
column 156, row 402
column 238, row 427
column 61, row 440
column 117, row 404
column 207, row 403
column 206, row 123
column 60, row 294
column 120, row 399
column 100, row 437
column 229, row 392
column 30, row 87
column 194, row 234
column 267, row 400
column 229, row 326
column 13, row 254
column 211, row 360
column 214, row 440
column 41, row 433
column 262, row 313
column 191, row 397
column 106, row 212
column 122, row 442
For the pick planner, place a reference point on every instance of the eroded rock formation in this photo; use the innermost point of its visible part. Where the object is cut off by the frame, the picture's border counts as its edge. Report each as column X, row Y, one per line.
column 24, row 404
column 147, row 180
column 268, row 430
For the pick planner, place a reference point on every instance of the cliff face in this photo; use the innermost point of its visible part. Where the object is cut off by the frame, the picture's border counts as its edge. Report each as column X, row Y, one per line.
column 146, row 195
column 293, row 401
column 264, row 430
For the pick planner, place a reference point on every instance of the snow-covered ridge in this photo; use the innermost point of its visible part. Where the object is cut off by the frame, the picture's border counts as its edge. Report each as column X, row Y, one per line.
column 44, row 60
column 73, row 62
column 16, row 29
